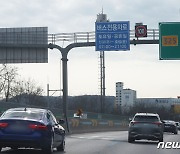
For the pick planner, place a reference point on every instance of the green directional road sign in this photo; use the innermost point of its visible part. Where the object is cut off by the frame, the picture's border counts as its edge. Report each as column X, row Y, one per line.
column 169, row 37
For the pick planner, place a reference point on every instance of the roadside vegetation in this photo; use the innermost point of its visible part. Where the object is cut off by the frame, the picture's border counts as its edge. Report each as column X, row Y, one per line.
column 12, row 86
column 27, row 92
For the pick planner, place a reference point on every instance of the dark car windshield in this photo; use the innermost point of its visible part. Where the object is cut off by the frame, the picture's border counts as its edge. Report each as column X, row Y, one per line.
column 23, row 114
column 146, row 118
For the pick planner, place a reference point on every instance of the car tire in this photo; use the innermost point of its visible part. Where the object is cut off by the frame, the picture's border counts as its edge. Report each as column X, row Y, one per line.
column 0, row 149
column 61, row 147
column 130, row 139
column 49, row 148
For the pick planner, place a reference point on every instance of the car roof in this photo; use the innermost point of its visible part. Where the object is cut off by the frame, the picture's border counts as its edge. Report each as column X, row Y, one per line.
column 27, row 109
column 146, row 114
column 169, row 121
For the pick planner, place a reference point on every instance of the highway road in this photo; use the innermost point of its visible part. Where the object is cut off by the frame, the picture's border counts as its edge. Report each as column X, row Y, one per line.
column 107, row 143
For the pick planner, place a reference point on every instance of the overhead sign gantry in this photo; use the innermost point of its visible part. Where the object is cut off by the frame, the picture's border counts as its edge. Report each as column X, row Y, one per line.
column 36, row 41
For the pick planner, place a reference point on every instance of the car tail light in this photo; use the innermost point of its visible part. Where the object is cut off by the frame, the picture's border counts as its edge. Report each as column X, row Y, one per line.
column 38, row 127
column 134, row 122
column 3, row 125
column 157, row 123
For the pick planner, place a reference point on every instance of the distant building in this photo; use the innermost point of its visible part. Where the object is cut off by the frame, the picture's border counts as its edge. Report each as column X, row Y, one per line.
column 125, row 98
column 158, row 102
column 119, row 91
column 128, row 97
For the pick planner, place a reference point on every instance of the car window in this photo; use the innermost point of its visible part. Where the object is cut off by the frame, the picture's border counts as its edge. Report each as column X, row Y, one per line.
column 51, row 118
column 146, row 118
column 22, row 114
column 169, row 122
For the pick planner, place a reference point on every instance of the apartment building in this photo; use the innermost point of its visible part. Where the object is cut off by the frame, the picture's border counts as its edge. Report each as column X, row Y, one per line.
column 125, row 98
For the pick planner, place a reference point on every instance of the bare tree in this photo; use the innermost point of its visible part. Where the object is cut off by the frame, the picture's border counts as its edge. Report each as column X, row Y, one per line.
column 10, row 86
column 33, row 92
column 31, row 88
column 8, row 76
column 2, row 81
column 28, row 89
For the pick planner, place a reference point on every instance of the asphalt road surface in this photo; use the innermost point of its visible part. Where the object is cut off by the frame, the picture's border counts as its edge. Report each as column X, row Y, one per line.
column 106, row 143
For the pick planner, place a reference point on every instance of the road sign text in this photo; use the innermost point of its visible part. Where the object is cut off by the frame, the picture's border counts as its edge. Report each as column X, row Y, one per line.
column 112, row 36
column 170, row 40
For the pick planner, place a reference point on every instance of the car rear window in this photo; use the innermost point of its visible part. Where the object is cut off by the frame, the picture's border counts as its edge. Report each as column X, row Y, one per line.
column 23, row 114
column 146, row 118
column 169, row 122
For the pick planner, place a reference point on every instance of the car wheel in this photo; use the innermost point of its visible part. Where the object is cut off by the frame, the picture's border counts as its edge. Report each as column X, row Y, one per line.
column 61, row 147
column 49, row 148
column 0, row 149
column 130, row 139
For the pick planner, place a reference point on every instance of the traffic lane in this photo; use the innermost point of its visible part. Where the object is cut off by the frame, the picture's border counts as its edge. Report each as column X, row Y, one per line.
column 116, row 142
column 149, row 147
column 95, row 143
column 106, row 143
column 81, row 143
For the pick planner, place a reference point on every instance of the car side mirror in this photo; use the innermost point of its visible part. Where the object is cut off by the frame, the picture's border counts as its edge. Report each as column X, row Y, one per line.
column 61, row 121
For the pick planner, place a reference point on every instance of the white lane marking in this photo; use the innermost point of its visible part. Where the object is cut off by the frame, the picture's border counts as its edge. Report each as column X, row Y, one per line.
column 95, row 137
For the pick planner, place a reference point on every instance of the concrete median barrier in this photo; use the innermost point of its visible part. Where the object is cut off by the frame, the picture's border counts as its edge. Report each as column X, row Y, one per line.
column 92, row 125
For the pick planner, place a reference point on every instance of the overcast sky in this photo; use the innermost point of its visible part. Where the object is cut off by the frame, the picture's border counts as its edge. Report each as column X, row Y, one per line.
column 140, row 68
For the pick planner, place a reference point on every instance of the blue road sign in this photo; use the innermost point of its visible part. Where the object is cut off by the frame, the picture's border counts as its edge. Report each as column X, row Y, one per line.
column 111, row 36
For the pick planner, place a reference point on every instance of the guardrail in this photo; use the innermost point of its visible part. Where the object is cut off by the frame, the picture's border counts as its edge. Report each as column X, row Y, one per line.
column 152, row 34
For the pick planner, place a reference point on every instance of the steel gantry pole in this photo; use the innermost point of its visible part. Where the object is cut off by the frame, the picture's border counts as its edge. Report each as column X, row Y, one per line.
column 65, row 86
column 64, row 53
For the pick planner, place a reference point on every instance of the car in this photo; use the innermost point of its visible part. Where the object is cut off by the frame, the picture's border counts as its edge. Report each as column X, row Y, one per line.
column 146, row 126
column 31, row 128
column 178, row 125
column 170, row 126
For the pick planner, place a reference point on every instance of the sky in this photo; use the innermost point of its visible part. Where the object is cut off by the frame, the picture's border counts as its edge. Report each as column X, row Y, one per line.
column 139, row 69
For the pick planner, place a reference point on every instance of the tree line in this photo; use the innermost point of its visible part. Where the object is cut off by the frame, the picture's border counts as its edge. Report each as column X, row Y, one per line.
column 165, row 113
column 15, row 89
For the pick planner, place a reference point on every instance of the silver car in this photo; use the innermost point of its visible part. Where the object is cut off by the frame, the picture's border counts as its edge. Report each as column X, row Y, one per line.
column 145, row 126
